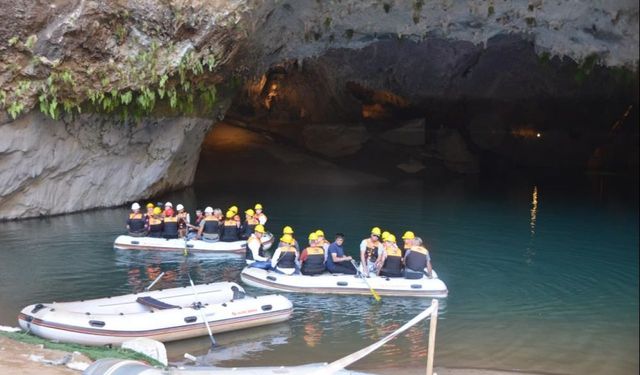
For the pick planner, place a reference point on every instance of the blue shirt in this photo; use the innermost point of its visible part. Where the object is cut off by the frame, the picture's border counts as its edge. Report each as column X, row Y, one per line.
column 334, row 248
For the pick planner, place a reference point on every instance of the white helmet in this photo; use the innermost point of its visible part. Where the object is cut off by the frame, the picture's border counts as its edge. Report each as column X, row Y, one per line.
column 135, row 206
column 168, row 204
column 208, row 210
column 179, row 207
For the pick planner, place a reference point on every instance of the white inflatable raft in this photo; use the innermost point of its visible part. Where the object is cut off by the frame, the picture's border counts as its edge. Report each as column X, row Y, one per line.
column 328, row 283
column 125, row 242
column 163, row 315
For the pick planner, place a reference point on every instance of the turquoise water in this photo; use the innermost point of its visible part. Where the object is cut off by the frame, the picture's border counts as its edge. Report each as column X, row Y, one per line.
column 542, row 276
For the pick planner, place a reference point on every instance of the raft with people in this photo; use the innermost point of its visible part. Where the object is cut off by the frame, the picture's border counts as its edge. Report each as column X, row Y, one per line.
column 163, row 315
column 211, row 232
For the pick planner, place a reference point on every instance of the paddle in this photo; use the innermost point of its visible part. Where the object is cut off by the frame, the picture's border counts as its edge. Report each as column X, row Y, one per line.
column 373, row 292
column 154, row 282
column 204, row 318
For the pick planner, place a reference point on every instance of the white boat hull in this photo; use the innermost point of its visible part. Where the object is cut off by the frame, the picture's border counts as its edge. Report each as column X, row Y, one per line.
column 125, row 242
column 345, row 284
column 113, row 320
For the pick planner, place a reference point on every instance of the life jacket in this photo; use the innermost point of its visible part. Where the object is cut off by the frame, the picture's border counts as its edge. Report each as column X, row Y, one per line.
column 230, row 231
column 136, row 222
column 371, row 252
column 314, row 264
column 287, row 257
column 249, row 226
column 417, row 258
column 393, row 261
column 170, row 226
column 211, row 225
column 249, row 253
column 155, row 227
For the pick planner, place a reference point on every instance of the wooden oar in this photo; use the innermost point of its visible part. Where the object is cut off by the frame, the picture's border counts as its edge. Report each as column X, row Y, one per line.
column 373, row 292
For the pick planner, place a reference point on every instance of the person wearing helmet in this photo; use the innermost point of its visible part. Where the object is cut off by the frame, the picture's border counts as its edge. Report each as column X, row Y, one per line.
column 260, row 216
column 183, row 220
column 155, row 223
column 390, row 263
column 136, row 222
column 170, row 225
column 285, row 258
column 230, row 228
column 370, row 250
column 408, row 238
column 168, row 209
column 321, row 240
column 313, row 257
column 337, row 262
column 209, row 227
column 236, row 215
column 255, row 255
column 416, row 259
column 249, row 224
column 149, row 212
column 195, row 227
column 288, row 230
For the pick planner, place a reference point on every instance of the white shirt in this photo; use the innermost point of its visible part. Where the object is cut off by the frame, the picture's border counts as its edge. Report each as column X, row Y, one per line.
column 276, row 258
column 253, row 243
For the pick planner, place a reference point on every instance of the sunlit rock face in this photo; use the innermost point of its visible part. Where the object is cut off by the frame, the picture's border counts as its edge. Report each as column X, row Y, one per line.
column 49, row 167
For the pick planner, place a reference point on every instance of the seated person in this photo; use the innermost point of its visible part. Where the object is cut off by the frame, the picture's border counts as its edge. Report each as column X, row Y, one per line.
column 155, row 223
column 285, row 258
column 391, row 259
column 170, row 227
column 370, row 250
column 255, row 251
column 337, row 262
column 209, row 227
column 288, row 230
column 321, row 240
column 230, row 229
column 312, row 257
column 416, row 259
column 136, row 222
column 408, row 238
column 249, row 224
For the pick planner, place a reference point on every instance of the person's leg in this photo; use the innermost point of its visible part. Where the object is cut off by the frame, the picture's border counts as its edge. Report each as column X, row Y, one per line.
column 344, row 267
column 413, row 275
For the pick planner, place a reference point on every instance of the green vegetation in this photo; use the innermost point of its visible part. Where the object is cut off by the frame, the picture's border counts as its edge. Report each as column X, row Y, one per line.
column 14, row 40
column 93, row 352
column 31, row 41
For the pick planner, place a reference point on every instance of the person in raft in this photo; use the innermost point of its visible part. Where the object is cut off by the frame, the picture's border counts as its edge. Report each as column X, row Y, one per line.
column 170, row 226
column 255, row 255
column 168, row 209
column 236, row 216
column 209, row 227
column 155, row 223
column 136, row 222
column 408, row 238
column 230, row 228
column 288, row 230
column 391, row 260
column 313, row 257
column 370, row 249
column 183, row 220
column 321, row 240
column 249, row 224
column 193, row 228
column 260, row 216
column 416, row 259
column 285, row 258
column 337, row 262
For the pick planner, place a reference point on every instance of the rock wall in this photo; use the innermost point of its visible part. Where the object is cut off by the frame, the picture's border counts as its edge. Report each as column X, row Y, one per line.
column 52, row 167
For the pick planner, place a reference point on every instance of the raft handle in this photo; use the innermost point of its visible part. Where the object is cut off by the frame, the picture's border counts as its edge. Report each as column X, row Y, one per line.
column 342, row 283
column 272, row 278
column 37, row 308
column 96, row 323
column 416, row 286
column 190, row 245
column 190, row 319
column 135, row 242
column 267, row 307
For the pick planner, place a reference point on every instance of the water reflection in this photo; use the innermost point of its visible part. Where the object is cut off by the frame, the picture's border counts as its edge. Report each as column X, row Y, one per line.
column 312, row 324
column 531, row 253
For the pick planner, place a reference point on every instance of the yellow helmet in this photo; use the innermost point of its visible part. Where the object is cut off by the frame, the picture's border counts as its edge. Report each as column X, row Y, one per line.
column 313, row 236
column 150, row 205
column 408, row 235
column 234, row 209
column 319, row 233
column 287, row 239
column 230, row 214
column 385, row 234
column 259, row 228
column 391, row 238
column 258, row 206
column 250, row 212
column 287, row 230
column 157, row 211
column 376, row 231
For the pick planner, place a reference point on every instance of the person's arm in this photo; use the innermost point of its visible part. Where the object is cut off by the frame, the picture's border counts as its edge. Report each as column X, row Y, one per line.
column 262, row 219
column 382, row 255
column 429, row 266
column 363, row 252
column 276, row 257
column 254, row 246
column 200, row 230
column 303, row 256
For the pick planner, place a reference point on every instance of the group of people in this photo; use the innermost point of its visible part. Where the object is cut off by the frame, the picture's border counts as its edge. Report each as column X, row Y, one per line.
column 162, row 221
column 379, row 254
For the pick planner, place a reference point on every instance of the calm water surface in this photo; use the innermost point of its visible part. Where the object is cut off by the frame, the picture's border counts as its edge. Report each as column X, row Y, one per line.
column 542, row 277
